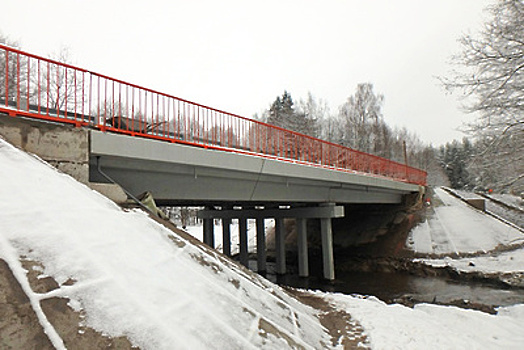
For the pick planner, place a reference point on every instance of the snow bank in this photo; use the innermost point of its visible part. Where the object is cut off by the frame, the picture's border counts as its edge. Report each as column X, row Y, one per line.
column 433, row 327
column 456, row 228
column 132, row 276
column 508, row 262
column 511, row 200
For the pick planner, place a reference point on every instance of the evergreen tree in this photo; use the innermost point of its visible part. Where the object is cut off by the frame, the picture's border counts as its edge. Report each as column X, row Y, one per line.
column 282, row 113
column 454, row 158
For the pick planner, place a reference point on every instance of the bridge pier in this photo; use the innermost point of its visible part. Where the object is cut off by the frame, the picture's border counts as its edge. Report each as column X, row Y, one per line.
column 327, row 248
column 280, row 245
column 226, row 236
column 324, row 212
column 209, row 234
column 303, row 259
column 242, row 232
column 261, row 246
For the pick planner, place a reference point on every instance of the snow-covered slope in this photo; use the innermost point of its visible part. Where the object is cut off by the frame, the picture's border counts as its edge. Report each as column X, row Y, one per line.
column 456, row 228
column 133, row 276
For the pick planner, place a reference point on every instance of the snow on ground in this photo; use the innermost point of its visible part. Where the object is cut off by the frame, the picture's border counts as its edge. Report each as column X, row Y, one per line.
column 134, row 277
column 511, row 210
column 508, row 262
column 509, row 199
column 433, row 327
column 454, row 227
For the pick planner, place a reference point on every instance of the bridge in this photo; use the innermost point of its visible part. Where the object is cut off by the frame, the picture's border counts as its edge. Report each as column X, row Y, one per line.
column 186, row 153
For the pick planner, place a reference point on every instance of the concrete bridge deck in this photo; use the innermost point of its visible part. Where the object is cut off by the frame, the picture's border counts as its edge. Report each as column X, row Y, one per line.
column 177, row 174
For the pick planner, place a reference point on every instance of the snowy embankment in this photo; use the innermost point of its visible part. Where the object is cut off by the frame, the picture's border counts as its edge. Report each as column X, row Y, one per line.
column 131, row 276
column 134, row 277
column 492, row 247
column 429, row 326
column 452, row 227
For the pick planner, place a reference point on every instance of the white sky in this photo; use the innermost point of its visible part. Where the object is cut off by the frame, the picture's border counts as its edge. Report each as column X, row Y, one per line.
column 239, row 56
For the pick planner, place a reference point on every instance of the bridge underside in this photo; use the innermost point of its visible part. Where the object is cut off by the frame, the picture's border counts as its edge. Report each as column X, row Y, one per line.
column 181, row 175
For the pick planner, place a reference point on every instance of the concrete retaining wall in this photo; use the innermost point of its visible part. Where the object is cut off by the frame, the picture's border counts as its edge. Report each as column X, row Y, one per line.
column 63, row 146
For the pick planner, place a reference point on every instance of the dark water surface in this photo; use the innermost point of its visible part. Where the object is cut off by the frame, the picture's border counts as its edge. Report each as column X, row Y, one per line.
column 391, row 287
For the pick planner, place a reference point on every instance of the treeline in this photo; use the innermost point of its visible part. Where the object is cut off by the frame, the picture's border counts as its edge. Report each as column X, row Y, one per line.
column 484, row 164
column 358, row 123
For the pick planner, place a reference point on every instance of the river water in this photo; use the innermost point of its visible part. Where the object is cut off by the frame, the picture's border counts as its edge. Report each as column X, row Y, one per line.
column 402, row 287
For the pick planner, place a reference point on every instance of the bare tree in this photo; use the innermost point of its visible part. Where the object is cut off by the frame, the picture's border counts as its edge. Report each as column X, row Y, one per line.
column 60, row 86
column 10, row 67
column 315, row 113
column 362, row 121
column 491, row 76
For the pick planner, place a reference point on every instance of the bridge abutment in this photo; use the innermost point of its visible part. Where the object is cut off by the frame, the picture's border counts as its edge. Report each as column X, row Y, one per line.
column 63, row 146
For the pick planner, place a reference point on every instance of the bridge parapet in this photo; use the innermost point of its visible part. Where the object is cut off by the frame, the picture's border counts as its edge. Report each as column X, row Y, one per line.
column 41, row 88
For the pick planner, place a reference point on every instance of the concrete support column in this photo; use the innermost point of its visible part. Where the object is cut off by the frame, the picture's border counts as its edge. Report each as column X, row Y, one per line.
column 261, row 246
column 226, row 236
column 209, row 235
column 280, row 245
column 242, row 232
column 327, row 248
column 303, row 263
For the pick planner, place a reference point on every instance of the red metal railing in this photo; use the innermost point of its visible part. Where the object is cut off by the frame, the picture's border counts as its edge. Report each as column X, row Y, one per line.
column 37, row 87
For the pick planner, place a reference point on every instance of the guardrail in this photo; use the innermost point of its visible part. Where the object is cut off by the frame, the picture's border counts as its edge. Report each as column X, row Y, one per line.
column 42, row 88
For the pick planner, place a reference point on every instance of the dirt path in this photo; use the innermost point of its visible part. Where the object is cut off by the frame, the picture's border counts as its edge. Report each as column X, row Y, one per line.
column 343, row 329
column 20, row 327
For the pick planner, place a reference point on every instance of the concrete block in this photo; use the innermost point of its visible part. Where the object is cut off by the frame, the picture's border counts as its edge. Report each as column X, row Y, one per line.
column 79, row 171
column 49, row 140
column 63, row 146
column 479, row 203
column 111, row 191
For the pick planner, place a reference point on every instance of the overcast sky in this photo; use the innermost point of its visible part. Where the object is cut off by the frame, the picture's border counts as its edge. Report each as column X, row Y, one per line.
column 239, row 56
